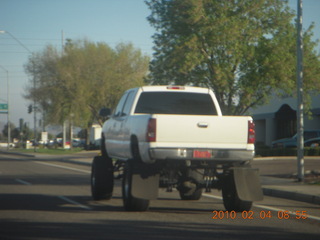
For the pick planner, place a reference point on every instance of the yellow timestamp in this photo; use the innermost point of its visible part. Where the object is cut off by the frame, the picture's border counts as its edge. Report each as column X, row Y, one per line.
column 249, row 215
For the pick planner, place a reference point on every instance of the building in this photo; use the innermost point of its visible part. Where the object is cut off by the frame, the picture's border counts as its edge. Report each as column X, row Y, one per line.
column 278, row 119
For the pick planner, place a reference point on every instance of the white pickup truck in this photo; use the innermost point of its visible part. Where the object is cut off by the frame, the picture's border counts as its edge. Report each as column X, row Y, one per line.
column 175, row 137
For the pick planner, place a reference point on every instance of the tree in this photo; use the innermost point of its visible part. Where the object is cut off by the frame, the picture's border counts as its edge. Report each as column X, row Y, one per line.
column 42, row 67
column 16, row 132
column 26, row 132
column 87, row 76
column 244, row 50
column 5, row 130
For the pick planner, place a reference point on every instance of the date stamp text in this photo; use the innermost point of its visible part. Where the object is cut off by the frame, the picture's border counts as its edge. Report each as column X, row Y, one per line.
column 250, row 215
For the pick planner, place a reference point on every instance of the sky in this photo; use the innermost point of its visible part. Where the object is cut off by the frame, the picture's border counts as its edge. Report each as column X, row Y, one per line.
column 37, row 23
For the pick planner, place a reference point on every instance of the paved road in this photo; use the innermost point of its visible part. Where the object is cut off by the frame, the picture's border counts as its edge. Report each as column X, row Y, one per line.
column 49, row 199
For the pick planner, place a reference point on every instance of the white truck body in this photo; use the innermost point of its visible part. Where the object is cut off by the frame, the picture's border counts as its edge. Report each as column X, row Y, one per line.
column 176, row 134
column 175, row 137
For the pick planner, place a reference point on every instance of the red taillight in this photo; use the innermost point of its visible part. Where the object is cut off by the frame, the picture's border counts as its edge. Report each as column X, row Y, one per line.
column 152, row 130
column 251, row 132
column 175, row 87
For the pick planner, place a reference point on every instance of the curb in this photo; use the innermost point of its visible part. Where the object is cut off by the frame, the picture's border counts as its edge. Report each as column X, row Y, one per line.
column 301, row 197
column 17, row 153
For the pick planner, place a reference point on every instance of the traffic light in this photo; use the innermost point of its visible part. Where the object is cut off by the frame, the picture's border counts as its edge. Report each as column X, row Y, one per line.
column 30, row 108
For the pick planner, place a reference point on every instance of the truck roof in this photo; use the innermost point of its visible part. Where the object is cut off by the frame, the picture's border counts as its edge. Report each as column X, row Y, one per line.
column 168, row 88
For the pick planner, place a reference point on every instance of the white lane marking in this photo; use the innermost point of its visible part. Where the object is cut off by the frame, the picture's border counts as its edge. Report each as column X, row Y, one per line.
column 22, row 181
column 74, row 202
column 63, row 167
column 268, row 208
column 211, row 196
column 63, row 197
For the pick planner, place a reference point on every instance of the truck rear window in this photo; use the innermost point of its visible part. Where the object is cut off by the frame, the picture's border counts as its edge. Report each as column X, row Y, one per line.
column 175, row 103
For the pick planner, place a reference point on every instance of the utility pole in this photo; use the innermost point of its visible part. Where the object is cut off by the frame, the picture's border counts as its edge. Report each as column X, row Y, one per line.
column 64, row 134
column 34, row 112
column 8, row 108
column 300, row 115
column 34, row 85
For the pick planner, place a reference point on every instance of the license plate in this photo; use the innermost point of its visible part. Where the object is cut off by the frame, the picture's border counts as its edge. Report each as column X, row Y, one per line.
column 202, row 154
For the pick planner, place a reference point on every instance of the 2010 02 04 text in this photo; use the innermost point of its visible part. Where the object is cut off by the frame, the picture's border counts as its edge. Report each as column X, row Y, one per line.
column 250, row 215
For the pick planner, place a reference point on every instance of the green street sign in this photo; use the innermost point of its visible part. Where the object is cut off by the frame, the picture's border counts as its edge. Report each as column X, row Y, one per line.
column 3, row 108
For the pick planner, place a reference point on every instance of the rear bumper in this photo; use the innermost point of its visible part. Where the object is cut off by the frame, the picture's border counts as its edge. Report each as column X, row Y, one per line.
column 232, row 155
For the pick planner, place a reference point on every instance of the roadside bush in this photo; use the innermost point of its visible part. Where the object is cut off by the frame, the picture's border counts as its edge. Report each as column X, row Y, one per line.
column 312, row 151
column 265, row 151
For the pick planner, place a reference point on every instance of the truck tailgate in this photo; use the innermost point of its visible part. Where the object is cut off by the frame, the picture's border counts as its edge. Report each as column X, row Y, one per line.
column 202, row 131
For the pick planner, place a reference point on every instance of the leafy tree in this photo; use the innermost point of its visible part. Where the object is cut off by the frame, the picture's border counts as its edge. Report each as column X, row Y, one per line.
column 27, row 133
column 87, row 76
column 42, row 67
column 15, row 132
column 244, row 50
column 5, row 130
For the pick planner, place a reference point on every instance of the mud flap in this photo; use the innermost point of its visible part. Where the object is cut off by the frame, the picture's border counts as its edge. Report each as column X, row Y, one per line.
column 145, row 188
column 248, row 184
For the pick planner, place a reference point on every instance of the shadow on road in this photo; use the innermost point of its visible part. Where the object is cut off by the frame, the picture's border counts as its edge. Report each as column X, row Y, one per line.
column 154, row 230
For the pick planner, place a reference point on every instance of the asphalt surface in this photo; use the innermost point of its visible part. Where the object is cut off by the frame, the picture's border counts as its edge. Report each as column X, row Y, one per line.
column 48, row 197
column 278, row 177
column 277, row 174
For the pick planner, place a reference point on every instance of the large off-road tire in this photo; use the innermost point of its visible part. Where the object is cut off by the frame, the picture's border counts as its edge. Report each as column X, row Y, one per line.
column 103, row 149
column 189, row 190
column 189, row 185
column 130, row 202
column 196, row 195
column 101, row 178
column 231, row 200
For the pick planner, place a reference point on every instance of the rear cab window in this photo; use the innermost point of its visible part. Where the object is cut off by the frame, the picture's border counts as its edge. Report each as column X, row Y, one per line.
column 182, row 103
column 124, row 105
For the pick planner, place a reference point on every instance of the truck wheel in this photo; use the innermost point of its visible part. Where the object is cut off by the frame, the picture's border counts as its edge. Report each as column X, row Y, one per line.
column 101, row 179
column 188, row 186
column 189, row 190
column 231, row 200
column 131, row 203
column 196, row 195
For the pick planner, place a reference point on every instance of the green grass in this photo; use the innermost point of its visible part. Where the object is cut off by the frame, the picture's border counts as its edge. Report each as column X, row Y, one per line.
column 315, row 183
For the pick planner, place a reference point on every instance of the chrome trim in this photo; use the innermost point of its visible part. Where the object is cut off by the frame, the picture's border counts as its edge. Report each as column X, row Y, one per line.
column 187, row 154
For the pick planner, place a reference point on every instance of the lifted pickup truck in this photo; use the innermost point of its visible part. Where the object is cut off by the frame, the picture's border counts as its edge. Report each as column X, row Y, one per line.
column 175, row 137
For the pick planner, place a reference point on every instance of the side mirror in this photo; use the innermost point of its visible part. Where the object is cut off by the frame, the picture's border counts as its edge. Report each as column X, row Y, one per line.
column 105, row 112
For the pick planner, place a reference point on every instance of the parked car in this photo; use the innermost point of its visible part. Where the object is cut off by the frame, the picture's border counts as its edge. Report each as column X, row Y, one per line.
column 313, row 142
column 292, row 142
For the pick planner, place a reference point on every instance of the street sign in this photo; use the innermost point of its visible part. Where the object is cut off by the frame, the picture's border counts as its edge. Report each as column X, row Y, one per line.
column 3, row 108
